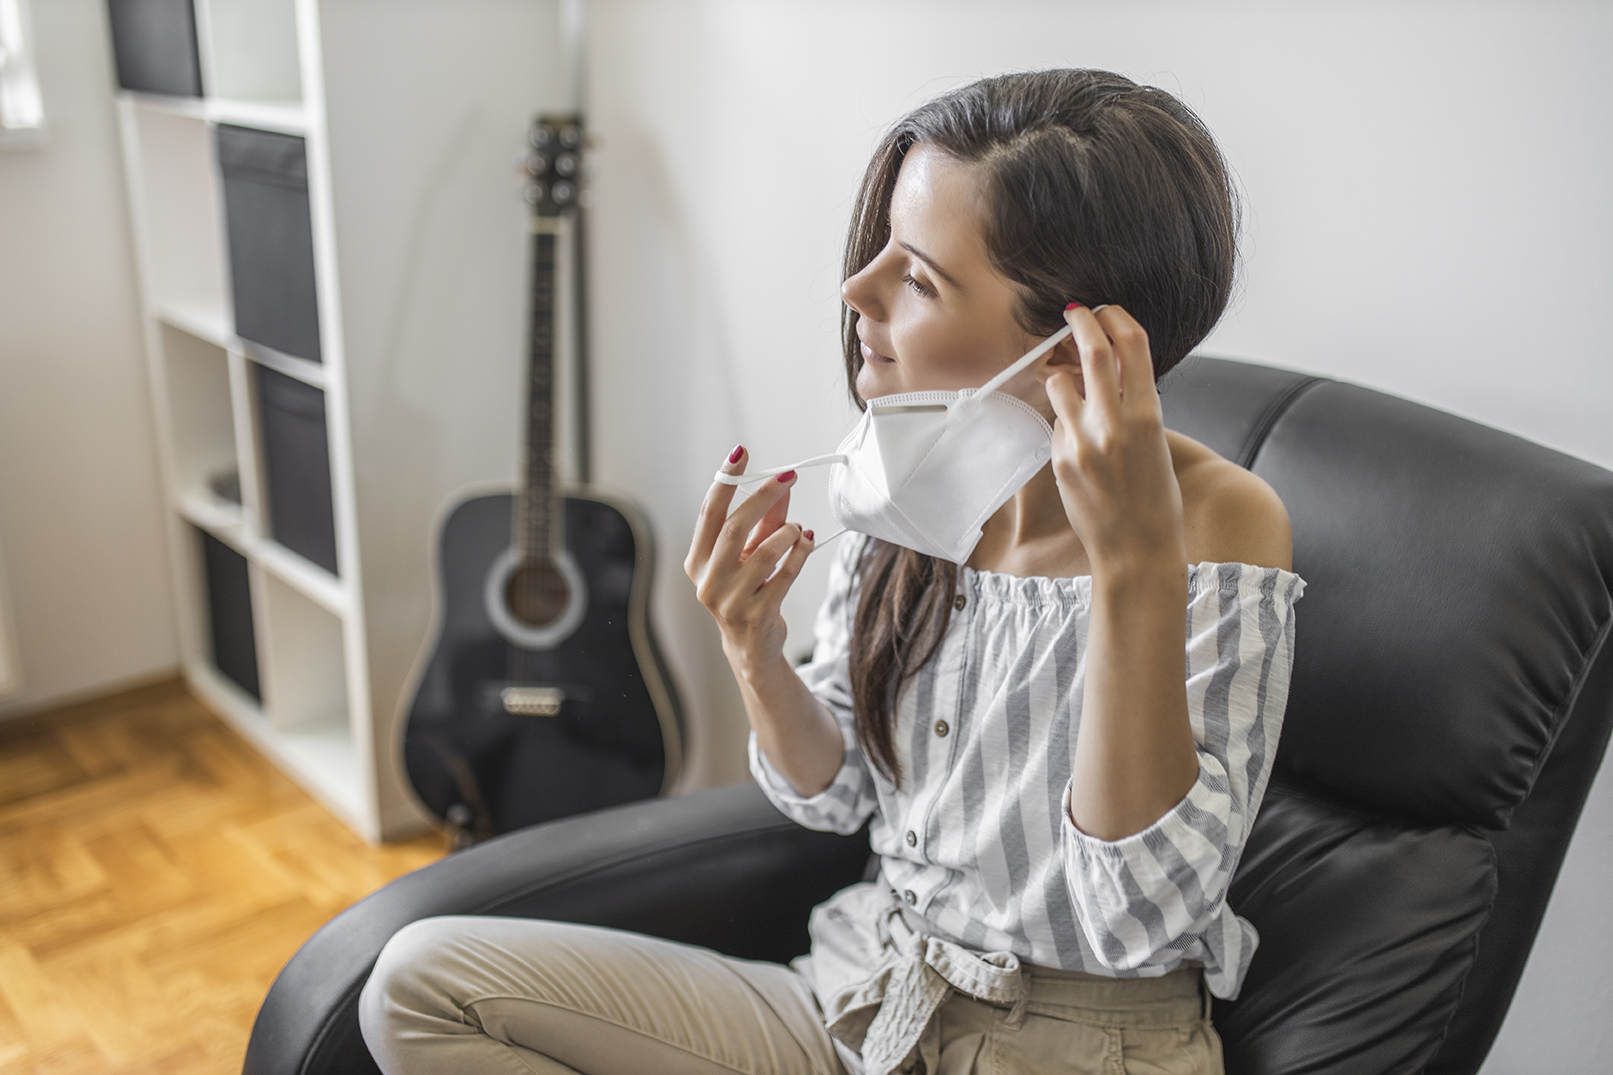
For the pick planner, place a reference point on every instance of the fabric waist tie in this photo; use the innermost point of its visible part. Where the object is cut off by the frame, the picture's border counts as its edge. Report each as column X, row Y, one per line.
column 924, row 970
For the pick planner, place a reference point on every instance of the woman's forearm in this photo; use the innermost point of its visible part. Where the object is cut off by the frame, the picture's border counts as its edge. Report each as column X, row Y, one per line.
column 1134, row 757
column 794, row 730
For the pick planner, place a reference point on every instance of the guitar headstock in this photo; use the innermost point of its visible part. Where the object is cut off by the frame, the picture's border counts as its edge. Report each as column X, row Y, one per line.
column 554, row 163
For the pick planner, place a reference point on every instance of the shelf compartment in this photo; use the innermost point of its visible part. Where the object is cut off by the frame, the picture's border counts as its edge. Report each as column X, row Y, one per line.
column 177, row 198
column 321, row 756
column 295, row 453
column 154, row 46
column 271, row 239
column 251, row 47
column 201, row 418
column 305, row 692
column 306, row 681
column 231, row 635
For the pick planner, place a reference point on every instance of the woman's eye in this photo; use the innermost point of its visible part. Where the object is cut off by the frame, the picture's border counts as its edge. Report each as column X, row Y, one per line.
column 916, row 286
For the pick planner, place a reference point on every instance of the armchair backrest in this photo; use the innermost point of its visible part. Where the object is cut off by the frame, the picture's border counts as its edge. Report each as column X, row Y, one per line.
column 1452, row 699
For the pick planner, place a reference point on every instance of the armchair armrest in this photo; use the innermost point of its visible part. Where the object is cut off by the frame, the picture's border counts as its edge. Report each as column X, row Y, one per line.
column 720, row 868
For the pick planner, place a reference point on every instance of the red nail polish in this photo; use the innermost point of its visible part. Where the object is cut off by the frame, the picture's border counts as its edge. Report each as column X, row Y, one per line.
column 786, row 476
column 739, row 450
column 807, row 534
column 1073, row 306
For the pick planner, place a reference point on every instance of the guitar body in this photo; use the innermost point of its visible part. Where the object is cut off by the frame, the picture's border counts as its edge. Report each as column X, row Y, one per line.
column 512, row 733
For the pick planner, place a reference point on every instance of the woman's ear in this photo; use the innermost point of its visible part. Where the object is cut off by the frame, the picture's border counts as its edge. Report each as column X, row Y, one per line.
column 1065, row 354
column 1063, row 358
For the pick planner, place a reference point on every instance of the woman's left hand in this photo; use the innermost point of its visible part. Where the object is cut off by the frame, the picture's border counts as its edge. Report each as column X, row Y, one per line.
column 1110, row 456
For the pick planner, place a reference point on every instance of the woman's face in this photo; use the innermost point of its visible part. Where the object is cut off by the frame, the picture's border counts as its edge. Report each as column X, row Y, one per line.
column 934, row 312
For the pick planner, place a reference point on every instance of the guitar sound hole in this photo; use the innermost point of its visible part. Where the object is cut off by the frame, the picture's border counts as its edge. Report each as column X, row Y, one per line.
column 537, row 594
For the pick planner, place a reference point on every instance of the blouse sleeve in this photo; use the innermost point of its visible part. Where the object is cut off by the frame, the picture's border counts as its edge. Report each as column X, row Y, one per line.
column 1157, row 897
column 851, row 797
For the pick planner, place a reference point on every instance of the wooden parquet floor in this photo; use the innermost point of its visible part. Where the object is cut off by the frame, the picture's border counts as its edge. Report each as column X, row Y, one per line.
column 155, row 874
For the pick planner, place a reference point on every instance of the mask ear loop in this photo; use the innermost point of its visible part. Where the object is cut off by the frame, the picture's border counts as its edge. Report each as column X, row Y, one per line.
column 1020, row 364
column 748, row 479
column 1024, row 361
column 762, row 475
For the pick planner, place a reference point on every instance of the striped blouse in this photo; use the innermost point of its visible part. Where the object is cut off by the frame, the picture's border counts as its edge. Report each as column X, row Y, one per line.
column 978, row 841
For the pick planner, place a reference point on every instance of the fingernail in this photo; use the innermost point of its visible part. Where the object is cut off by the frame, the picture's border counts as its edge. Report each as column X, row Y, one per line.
column 1072, row 306
column 739, row 450
column 807, row 534
column 786, row 476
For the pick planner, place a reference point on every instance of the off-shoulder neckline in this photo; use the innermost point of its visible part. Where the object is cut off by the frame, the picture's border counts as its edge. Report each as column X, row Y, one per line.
column 1203, row 565
column 1079, row 587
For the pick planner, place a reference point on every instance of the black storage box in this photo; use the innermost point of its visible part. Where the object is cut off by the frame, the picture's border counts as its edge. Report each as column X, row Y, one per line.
column 271, row 239
column 154, row 46
column 296, row 466
column 229, row 613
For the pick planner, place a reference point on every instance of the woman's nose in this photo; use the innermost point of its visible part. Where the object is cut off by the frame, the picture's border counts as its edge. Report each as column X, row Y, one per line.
column 860, row 293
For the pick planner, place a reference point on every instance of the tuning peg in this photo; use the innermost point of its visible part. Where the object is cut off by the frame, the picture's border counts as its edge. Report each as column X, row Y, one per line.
column 539, row 137
column 570, row 135
column 562, row 192
column 534, row 193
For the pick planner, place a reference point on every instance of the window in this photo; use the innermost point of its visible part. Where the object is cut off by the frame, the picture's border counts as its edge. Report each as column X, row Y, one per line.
column 22, row 114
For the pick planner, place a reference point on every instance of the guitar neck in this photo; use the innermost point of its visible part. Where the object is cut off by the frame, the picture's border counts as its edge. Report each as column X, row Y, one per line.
column 538, row 518
column 553, row 165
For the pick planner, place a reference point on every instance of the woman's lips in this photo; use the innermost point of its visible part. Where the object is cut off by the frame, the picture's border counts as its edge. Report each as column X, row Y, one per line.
column 871, row 355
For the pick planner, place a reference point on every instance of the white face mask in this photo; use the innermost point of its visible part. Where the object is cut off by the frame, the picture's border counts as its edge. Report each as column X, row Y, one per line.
column 925, row 470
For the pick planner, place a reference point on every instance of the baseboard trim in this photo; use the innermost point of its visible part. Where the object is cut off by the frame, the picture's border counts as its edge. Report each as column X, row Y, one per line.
column 153, row 686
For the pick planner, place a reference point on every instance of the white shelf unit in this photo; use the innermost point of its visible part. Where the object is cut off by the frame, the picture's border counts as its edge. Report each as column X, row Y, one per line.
column 413, row 113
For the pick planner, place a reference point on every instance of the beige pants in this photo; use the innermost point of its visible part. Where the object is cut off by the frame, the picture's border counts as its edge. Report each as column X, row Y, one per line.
column 472, row 995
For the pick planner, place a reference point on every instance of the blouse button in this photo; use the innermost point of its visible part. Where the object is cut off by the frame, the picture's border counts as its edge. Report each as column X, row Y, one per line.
column 959, row 601
column 941, row 728
column 910, row 896
column 912, row 838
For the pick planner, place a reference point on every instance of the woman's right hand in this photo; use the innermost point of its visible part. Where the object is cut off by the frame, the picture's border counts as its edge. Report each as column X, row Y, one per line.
column 742, row 564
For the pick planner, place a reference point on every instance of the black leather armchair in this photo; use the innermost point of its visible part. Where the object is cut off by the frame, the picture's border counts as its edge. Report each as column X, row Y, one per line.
column 1451, row 703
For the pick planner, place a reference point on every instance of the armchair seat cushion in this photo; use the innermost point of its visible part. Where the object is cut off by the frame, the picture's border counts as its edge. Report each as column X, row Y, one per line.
column 1368, row 930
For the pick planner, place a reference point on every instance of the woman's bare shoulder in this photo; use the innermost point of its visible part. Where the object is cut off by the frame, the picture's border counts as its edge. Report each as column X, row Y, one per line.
column 1229, row 515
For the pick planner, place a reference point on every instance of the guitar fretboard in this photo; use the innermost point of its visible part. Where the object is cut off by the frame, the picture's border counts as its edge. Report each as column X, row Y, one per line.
column 538, row 524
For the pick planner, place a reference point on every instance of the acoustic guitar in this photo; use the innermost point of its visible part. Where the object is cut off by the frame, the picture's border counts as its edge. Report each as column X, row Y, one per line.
column 542, row 692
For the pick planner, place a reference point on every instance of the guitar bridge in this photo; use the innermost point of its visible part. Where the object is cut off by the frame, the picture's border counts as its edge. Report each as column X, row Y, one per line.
column 532, row 701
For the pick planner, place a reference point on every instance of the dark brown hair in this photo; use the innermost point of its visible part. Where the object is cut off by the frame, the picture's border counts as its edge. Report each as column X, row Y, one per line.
column 1098, row 190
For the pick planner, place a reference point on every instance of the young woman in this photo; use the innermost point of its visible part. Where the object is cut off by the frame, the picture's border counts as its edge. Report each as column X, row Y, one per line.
column 1057, row 797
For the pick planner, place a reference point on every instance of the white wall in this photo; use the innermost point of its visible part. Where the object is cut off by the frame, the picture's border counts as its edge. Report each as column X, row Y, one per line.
column 80, row 518
column 1427, row 213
